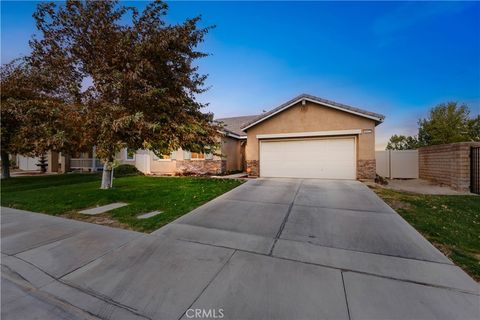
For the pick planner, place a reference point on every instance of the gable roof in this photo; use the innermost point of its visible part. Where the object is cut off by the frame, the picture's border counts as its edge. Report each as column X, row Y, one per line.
column 332, row 104
column 234, row 124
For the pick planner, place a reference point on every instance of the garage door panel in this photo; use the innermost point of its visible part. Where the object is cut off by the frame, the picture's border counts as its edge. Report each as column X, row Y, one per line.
column 321, row 158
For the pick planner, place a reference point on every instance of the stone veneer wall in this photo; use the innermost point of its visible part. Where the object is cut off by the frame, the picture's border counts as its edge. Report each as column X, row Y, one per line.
column 252, row 168
column 201, row 167
column 447, row 164
column 366, row 169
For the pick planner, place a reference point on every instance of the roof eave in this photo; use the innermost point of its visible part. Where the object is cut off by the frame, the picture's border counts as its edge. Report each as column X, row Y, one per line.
column 231, row 134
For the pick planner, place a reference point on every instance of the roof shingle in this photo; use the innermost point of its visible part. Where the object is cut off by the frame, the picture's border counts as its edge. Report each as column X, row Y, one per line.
column 235, row 124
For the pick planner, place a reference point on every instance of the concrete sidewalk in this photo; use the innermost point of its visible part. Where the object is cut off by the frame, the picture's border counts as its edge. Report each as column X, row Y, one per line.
column 269, row 249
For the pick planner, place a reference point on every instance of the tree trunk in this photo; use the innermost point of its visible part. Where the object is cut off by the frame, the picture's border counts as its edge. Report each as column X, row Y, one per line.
column 5, row 165
column 107, row 180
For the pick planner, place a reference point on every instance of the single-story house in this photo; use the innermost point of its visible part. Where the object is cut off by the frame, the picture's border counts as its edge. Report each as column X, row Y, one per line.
column 306, row 137
column 310, row 137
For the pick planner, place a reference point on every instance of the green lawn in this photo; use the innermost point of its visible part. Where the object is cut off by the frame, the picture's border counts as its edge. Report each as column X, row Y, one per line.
column 451, row 223
column 66, row 194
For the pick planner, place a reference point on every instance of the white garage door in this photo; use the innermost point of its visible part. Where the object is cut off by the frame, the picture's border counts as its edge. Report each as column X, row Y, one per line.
column 325, row 158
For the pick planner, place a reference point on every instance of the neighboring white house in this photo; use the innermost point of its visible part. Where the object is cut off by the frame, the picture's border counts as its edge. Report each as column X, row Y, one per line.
column 84, row 162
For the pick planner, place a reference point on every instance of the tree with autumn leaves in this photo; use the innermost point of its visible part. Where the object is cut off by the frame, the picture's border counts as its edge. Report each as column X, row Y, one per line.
column 35, row 116
column 127, row 77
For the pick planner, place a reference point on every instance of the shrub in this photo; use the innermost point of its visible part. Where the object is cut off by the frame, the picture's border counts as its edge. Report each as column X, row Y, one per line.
column 381, row 180
column 126, row 170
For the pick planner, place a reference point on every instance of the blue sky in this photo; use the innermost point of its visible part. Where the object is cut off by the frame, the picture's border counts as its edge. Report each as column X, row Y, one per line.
column 395, row 58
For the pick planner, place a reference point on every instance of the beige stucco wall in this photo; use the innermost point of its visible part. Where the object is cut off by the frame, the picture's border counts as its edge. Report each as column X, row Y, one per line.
column 122, row 157
column 165, row 166
column 162, row 166
column 231, row 151
column 314, row 117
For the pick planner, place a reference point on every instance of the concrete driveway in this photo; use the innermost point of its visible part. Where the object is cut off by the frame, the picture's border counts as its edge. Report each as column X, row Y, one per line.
column 269, row 249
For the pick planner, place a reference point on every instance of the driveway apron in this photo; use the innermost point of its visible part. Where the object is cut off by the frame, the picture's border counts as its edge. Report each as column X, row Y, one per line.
column 269, row 249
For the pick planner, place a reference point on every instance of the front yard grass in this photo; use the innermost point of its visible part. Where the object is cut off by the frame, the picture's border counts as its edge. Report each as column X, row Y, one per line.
column 451, row 223
column 65, row 195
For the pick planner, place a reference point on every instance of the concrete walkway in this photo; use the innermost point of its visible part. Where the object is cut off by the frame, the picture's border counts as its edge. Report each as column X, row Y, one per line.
column 269, row 249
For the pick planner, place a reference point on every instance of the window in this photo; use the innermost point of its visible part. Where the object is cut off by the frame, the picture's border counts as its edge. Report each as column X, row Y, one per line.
column 130, row 154
column 171, row 156
column 187, row 155
column 197, row 156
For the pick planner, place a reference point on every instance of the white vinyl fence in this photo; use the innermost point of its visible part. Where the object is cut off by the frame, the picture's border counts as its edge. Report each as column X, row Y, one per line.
column 397, row 164
column 27, row 163
column 142, row 160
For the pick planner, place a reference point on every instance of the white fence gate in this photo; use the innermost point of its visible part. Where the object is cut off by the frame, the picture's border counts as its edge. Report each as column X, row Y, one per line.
column 27, row 163
column 397, row 163
column 142, row 161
